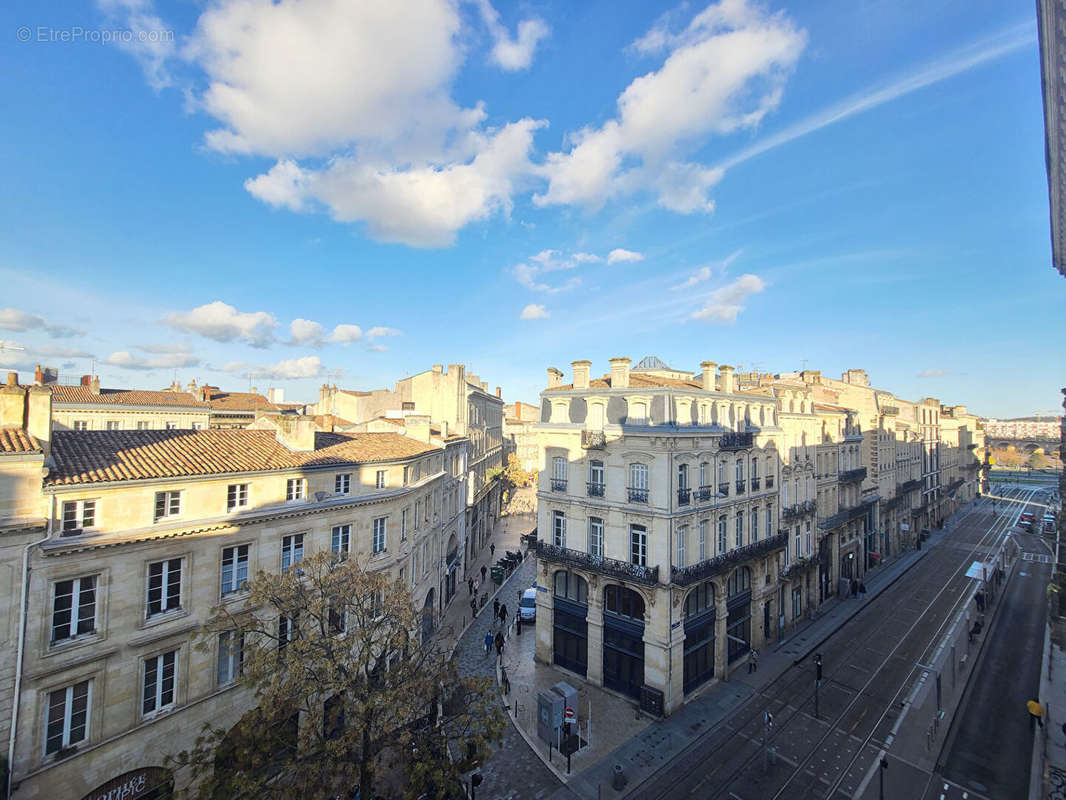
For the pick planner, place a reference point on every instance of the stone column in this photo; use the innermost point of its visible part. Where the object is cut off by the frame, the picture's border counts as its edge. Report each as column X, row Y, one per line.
column 595, row 635
column 721, row 643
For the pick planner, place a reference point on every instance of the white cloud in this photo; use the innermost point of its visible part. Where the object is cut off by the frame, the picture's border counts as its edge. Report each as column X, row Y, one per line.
column 378, row 348
column 177, row 347
column 13, row 319
column 724, row 304
column 126, row 360
column 305, row 332
column 704, row 273
column 534, row 311
column 224, row 323
column 346, row 334
column 380, row 330
column 724, row 72
column 526, row 275
column 289, row 369
column 618, row 255
column 512, row 53
column 151, row 42
column 933, row 373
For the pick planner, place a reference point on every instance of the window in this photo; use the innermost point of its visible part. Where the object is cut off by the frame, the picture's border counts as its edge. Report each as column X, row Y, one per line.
column 682, row 531
column 230, row 656
column 403, row 524
column 336, row 620
column 234, row 568
column 808, row 537
column 81, row 425
column 292, row 550
column 558, row 474
column 754, row 525
column 571, row 587
column 703, row 540
column 164, row 587
column 418, row 513
column 638, row 545
column 704, row 474
column 380, row 524
column 112, row 425
column 379, row 479
column 78, row 514
column 159, row 673
column 638, row 476
column 142, row 425
column 167, row 504
column 596, row 537
column 682, row 476
column 74, row 608
column 723, row 545
column 638, row 414
column 286, row 631
column 294, row 489
column 596, row 479
column 197, row 426
column 799, row 552
column 558, row 529
column 342, row 483
column 172, row 426
column 67, row 723
column 740, row 528
column 236, row 496
column 769, row 521
column 342, row 536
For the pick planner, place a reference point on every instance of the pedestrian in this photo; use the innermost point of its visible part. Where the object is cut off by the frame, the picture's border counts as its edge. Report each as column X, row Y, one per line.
column 473, row 608
column 492, row 550
column 862, row 590
column 1036, row 714
column 503, row 613
column 854, row 587
column 483, row 571
column 751, row 661
column 470, row 586
column 518, row 632
column 499, row 644
column 488, row 643
column 495, row 609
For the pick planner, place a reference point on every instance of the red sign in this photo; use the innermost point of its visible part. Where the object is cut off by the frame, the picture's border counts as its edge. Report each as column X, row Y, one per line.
column 569, row 714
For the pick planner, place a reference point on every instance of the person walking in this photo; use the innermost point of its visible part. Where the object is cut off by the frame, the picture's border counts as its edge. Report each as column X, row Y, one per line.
column 503, row 614
column 752, row 661
column 854, row 588
column 488, row 643
column 862, row 590
column 470, row 586
column 1036, row 714
column 492, row 550
column 499, row 645
column 483, row 571
column 495, row 609
column 473, row 608
column 518, row 632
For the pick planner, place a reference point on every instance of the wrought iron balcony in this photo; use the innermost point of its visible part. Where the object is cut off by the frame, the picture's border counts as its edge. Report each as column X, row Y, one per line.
column 685, row 576
column 558, row 484
column 843, row 517
column 892, row 411
column 740, row 486
column 638, row 495
column 684, row 496
column 769, row 481
column 723, row 489
column 736, row 441
column 593, row 440
column 596, row 489
column 755, row 484
column 703, row 494
column 798, row 568
column 604, row 566
column 853, row 475
column 798, row 511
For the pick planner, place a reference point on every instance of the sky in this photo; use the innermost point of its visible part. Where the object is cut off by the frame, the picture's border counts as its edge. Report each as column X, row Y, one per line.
column 255, row 193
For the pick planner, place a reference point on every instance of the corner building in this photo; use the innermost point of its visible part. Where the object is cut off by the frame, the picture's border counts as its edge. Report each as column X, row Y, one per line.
column 658, row 509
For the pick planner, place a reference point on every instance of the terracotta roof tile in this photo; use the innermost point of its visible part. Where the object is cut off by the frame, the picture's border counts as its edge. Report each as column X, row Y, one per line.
column 101, row 456
column 239, row 401
column 640, row 381
column 16, row 440
column 130, row 397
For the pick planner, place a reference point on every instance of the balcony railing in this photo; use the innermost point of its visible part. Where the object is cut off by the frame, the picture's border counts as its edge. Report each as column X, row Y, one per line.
column 798, row 510
column 638, row 495
column 736, row 441
column 910, row 486
column 703, row 494
column 769, row 481
column 596, row 489
column 604, row 566
column 740, row 486
column 685, row 576
column 593, row 440
column 853, row 475
column 558, row 484
column 843, row 517
column 683, row 496
column 755, row 484
column 723, row 489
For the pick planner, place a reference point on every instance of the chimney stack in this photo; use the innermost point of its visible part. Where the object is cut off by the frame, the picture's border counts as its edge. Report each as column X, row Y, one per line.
column 296, row 431
column 39, row 415
column 444, row 429
column 555, row 377
column 726, row 372
column 581, row 373
column 87, row 379
column 620, row 373
column 416, row 426
column 94, row 385
column 499, row 392
column 708, row 368
column 38, row 376
column 13, row 403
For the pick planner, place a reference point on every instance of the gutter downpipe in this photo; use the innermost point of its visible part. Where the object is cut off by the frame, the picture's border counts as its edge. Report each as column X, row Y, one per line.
column 24, row 600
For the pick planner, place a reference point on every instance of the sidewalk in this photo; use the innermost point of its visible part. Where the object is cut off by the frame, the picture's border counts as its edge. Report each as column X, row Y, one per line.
column 656, row 744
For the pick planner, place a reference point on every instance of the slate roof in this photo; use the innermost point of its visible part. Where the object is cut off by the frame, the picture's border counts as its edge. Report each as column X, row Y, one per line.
column 84, row 457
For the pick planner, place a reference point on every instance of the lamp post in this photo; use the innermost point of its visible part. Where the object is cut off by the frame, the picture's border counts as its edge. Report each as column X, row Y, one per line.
column 817, row 680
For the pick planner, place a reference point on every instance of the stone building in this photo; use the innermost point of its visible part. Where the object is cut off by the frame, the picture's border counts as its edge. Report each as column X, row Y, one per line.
column 135, row 536
column 88, row 407
column 518, row 433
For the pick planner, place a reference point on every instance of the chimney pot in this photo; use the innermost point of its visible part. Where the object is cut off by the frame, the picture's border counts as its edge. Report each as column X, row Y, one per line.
column 94, row 385
column 12, row 379
column 708, row 377
column 581, row 373
column 620, row 373
column 38, row 375
column 86, row 380
column 499, row 392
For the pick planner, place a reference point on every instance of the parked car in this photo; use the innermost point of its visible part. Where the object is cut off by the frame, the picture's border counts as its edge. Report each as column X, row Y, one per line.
column 527, row 608
column 1027, row 517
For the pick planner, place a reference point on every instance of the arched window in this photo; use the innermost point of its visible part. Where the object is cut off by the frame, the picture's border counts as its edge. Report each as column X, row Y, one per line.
column 571, row 587
column 638, row 476
column 700, row 600
column 638, row 412
column 623, row 602
column 739, row 582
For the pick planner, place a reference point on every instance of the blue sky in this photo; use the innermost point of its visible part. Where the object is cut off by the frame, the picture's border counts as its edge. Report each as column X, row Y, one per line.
column 289, row 193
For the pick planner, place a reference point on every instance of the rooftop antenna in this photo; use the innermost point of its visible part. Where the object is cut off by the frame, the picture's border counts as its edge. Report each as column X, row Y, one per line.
column 803, row 361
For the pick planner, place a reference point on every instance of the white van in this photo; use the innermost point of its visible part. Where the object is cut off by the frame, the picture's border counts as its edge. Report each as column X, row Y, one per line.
column 528, row 607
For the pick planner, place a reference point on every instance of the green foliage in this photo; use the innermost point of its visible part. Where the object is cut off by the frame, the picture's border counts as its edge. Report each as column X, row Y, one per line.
column 513, row 472
column 1037, row 460
column 347, row 696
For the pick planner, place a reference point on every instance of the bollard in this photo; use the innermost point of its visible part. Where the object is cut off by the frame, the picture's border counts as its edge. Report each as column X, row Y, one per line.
column 618, row 779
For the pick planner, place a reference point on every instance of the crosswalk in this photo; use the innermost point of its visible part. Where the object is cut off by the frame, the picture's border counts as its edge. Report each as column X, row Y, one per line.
column 1038, row 558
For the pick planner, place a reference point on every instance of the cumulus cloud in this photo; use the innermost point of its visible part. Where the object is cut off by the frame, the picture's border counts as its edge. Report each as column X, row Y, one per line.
column 224, row 323
column 534, row 311
column 512, row 53
column 346, row 334
column 289, row 369
column 725, row 304
column 933, row 373
column 13, row 319
column 552, row 260
column 618, row 255
column 722, row 73
column 305, row 332
column 126, row 360
column 704, row 273
column 152, row 42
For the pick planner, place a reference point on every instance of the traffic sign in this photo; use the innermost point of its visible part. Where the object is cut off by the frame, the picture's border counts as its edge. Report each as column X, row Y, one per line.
column 569, row 714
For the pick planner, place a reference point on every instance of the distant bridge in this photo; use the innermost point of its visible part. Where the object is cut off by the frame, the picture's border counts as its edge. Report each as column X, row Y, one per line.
column 1028, row 445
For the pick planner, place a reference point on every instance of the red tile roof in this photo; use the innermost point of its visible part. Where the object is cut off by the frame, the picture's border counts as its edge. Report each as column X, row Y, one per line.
column 16, row 440
column 638, row 380
column 101, row 456
column 127, row 397
column 239, row 401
